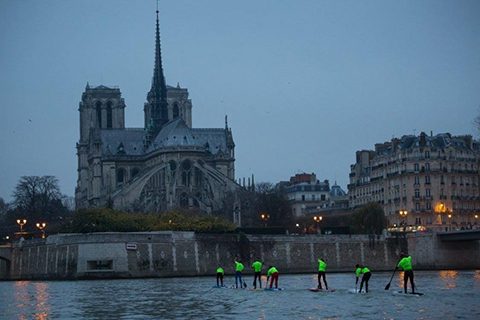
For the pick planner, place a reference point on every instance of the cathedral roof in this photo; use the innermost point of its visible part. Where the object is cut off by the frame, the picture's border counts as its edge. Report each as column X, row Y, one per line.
column 122, row 141
column 177, row 134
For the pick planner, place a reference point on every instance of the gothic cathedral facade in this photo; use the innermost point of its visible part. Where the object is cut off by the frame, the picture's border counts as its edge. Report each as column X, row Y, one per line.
column 166, row 164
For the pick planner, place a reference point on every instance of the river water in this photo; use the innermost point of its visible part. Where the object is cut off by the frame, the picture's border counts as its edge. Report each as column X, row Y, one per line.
column 447, row 295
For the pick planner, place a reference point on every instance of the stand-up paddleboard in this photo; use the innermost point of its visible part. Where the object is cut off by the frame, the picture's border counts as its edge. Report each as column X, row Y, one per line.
column 273, row 289
column 321, row 290
column 408, row 294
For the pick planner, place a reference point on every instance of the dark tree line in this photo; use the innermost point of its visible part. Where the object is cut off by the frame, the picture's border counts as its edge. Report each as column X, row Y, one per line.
column 36, row 199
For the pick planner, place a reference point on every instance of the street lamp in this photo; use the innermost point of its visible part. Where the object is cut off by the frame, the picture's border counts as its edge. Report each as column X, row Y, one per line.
column 450, row 220
column 264, row 217
column 41, row 226
column 318, row 219
column 21, row 223
column 403, row 215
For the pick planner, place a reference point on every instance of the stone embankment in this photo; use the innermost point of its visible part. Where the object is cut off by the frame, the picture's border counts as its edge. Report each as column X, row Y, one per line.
column 166, row 254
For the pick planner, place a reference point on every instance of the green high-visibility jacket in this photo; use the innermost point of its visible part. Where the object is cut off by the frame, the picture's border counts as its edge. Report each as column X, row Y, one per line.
column 360, row 271
column 220, row 270
column 322, row 266
column 405, row 263
column 239, row 266
column 257, row 266
column 271, row 271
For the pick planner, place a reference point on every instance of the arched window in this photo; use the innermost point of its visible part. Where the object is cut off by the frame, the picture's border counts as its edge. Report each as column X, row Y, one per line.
column 134, row 172
column 176, row 111
column 186, row 172
column 98, row 107
column 109, row 114
column 120, row 176
column 184, row 200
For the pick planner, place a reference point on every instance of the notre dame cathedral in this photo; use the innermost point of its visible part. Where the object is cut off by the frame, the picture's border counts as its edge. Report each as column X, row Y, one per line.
column 164, row 165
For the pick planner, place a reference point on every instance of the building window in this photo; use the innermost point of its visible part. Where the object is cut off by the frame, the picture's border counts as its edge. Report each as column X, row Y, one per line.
column 418, row 221
column 442, row 180
column 427, row 154
column 429, row 206
column 427, row 179
column 417, row 193
column 417, row 206
column 120, row 175
column 322, row 197
column 313, row 197
column 176, row 111
column 427, row 193
column 109, row 114
column 427, row 166
column 416, row 167
column 134, row 172
column 184, row 200
column 417, row 180
column 303, row 197
column 98, row 107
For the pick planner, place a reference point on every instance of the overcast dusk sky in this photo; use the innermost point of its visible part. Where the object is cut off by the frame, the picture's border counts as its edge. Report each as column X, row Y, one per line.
column 305, row 84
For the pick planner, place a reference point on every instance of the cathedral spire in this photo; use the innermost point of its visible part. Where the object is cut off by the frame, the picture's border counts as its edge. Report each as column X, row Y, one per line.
column 158, row 81
column 156, row 108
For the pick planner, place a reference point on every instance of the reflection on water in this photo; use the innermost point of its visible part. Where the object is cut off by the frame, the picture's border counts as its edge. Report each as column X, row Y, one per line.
column 42, row 298
column 449, row 277
column 31, row 295
column 195, row 298
column 477, row 276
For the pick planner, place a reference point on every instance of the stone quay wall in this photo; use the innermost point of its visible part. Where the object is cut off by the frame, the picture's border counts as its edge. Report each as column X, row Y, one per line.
column 168, row 254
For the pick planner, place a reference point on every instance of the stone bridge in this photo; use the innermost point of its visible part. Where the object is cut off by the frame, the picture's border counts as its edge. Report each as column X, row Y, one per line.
column 5, row 261
column 463, row 235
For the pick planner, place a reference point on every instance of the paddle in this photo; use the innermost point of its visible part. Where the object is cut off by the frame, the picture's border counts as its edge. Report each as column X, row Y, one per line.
column 388, row 285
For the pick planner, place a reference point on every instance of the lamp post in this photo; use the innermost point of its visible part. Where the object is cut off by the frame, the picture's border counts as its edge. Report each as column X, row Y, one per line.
column 449, row 220
column 264, row 217
column 41, row 226
column 318, row 219
column 21, row 223
column 403, row 216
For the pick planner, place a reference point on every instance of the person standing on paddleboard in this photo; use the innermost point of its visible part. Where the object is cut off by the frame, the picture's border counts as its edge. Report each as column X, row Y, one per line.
column 406, row 264
column 366, row 274
column 257, row 269
column 322, row 268
column 238, row 272
column 220, row 273
column 273, row 275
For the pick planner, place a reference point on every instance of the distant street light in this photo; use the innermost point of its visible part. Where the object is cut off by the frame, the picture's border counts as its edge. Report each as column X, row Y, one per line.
column 450, row 220
column 264, row 217
column 41, row 226
column 21, row 223
column 403, row 216
column 318, row 219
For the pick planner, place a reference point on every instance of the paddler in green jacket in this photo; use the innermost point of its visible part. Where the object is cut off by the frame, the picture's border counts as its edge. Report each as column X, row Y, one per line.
column 238, row 273
column 322, row 268
column 365, row 273
column 220, row 273
column 272, row 273
column 406, row 264
column 257, row 269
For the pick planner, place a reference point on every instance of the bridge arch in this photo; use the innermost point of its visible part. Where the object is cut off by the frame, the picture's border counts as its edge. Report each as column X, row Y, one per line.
column 5, row 262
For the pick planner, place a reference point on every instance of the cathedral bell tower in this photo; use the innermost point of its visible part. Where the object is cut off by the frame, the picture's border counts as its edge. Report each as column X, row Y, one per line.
column 156, row 107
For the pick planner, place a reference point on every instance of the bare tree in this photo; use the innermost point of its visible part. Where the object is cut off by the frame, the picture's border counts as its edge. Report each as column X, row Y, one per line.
column 38, row 196
column 264, row 187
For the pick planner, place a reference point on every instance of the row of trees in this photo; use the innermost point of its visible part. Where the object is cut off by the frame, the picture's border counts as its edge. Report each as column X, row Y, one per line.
column 38, row 198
